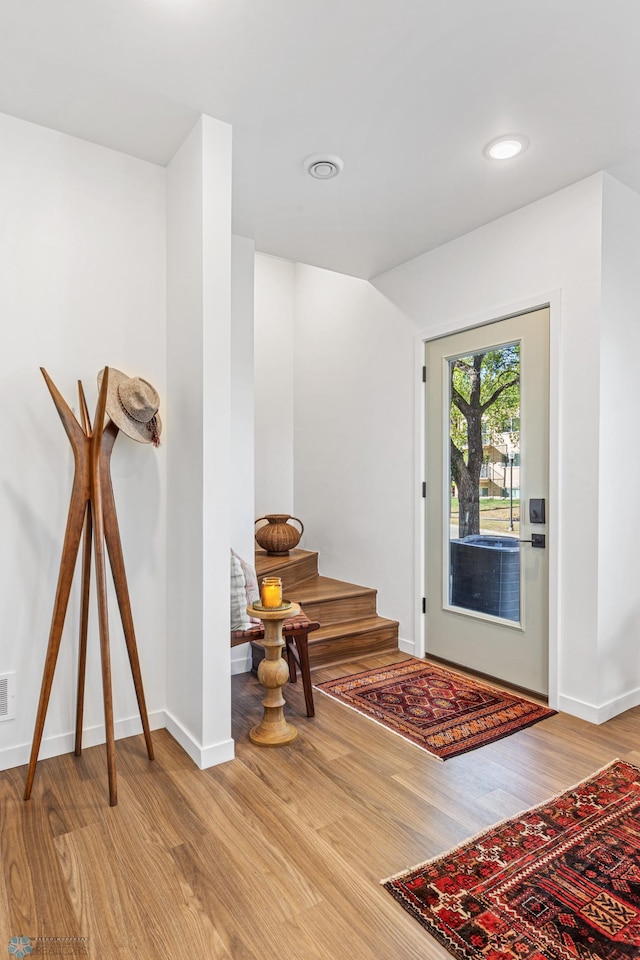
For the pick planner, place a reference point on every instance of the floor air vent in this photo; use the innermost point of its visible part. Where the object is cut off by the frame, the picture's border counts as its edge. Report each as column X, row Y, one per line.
column 7, row 696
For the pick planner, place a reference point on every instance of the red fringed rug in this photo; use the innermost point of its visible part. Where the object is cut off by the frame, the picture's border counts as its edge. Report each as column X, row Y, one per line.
column 437, row 709
column 559, row 882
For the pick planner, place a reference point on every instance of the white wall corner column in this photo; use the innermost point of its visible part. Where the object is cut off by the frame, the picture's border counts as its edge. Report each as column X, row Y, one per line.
column 198, row 442
column 619, row 460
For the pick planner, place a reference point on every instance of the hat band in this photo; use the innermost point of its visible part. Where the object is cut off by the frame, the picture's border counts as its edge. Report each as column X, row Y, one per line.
column 151, row 425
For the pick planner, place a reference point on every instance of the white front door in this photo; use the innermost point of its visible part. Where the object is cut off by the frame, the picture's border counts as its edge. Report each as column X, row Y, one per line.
column 487, row 423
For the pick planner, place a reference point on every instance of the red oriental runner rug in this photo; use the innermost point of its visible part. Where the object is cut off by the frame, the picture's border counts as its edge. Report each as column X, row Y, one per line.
column 442, row 711
column 559, row 882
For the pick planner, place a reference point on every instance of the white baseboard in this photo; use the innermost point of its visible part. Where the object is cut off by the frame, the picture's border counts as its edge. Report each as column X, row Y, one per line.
column 241, row 659
column 65, row 742
column 407, row 646
column 203, row 757
column 599, row 714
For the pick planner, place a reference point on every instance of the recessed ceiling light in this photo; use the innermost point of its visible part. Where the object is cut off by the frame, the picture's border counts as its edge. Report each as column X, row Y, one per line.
column 506, row 147
column 323, row 166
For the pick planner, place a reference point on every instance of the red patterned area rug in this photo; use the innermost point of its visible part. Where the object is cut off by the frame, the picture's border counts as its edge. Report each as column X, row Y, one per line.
column 442, row 711
column 558, row 882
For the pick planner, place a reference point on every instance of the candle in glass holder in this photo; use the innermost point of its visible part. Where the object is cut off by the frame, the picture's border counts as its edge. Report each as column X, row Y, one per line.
column 271, row 592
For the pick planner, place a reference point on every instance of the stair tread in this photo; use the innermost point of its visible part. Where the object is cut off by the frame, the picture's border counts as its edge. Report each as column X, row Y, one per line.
column 349, row 624
column 350, row 628
column 320, row 588
column 265, row 562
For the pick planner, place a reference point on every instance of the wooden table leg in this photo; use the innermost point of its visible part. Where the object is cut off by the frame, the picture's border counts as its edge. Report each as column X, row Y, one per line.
column 273, row 674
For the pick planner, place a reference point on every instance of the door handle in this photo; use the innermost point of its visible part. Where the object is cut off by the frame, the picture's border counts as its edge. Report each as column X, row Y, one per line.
column 537, row 540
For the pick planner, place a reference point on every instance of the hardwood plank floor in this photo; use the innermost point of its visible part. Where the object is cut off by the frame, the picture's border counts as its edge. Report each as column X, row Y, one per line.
column 277, row 855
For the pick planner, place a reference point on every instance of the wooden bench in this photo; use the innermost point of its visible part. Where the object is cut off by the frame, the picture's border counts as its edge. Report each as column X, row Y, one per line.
column 295, row 631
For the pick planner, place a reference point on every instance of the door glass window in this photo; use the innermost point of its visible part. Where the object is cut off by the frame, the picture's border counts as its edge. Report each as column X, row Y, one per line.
column 484, row 482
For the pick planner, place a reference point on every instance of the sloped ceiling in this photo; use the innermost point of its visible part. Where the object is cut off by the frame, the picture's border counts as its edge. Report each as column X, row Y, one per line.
column 406, row 92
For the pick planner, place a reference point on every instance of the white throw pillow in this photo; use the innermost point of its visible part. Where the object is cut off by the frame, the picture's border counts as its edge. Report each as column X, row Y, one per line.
column 250, row 581
column 243, row 595
column 239, row 617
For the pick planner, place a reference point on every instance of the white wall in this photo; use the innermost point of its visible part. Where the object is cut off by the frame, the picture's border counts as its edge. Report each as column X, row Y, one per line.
column 274, row 401
column 619, row 466
column 344, row 415
column 551, row 248
column 198, row 458
column 354, row 434
column 355, row 463
column 82, row 284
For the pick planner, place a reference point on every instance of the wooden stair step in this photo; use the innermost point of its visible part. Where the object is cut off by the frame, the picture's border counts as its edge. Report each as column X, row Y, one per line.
column 347, row 612
column 334, row 601
column 292, row 569
column 345, row 641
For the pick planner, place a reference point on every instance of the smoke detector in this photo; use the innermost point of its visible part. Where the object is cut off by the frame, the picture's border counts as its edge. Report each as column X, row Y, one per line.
column 323, row 166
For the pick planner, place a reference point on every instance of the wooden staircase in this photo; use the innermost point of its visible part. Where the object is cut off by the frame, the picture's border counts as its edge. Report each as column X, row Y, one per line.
column 349, row 623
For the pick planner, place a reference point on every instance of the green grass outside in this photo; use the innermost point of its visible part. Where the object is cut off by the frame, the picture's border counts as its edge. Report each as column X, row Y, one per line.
column 489, row 503
column 495, row 513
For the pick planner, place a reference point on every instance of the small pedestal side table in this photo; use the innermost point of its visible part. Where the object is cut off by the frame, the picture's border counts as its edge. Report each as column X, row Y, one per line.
column 273, row 673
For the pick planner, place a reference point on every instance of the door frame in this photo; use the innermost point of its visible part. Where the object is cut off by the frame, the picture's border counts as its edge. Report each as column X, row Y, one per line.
column 553, row 300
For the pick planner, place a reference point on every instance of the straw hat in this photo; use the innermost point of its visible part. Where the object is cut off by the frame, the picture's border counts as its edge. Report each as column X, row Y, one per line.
column 132, row 404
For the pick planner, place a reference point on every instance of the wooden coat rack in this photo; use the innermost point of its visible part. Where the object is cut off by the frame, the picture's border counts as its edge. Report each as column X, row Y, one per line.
column 92, row 506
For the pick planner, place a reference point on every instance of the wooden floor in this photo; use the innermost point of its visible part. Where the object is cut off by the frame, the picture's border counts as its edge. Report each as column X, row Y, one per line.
column 274, row 856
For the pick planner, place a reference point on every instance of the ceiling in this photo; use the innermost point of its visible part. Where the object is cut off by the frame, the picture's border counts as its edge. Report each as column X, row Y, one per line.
column 406, row 92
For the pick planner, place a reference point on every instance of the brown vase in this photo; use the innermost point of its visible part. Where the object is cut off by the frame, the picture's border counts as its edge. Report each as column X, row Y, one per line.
column 277, row 537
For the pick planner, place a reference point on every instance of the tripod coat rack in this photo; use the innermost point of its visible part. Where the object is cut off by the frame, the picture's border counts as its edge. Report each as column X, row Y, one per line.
column 93, row 509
